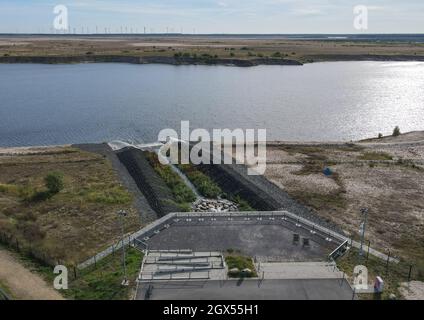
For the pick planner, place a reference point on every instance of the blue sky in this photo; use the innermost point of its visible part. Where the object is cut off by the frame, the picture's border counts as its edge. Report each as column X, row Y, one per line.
column 215, row 16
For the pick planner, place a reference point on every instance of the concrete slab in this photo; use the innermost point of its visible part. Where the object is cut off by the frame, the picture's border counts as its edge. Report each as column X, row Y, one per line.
column 316, row 289
column 265, row 241
column 298, row 270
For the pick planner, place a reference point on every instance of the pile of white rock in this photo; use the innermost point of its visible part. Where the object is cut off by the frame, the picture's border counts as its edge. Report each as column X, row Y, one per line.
column 214, row 205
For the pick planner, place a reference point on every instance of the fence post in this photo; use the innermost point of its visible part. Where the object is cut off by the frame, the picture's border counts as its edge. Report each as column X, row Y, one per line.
column 368, row 251
column 410, row 273
column 387, row 262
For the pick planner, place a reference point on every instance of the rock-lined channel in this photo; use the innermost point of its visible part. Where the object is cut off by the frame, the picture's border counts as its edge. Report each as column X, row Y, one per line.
column 214, row 205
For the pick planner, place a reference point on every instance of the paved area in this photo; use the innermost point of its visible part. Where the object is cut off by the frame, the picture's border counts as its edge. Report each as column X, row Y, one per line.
column 298, row 270
column 316, row 289
column 264, row 241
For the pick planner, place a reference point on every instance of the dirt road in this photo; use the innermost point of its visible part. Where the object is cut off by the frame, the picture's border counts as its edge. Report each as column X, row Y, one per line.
column 24, row 284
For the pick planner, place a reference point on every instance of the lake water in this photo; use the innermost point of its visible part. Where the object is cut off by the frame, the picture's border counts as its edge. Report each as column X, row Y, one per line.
column 58, row 104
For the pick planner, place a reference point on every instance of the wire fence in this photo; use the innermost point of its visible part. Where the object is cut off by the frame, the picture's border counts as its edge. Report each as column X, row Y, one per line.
column 27, row 249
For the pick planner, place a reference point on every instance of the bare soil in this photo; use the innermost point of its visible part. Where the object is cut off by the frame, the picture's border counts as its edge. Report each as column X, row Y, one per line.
column 21, row 282
column 385, row 175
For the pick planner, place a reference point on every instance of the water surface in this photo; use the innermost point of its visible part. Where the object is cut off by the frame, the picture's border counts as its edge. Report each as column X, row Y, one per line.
column 57, row 104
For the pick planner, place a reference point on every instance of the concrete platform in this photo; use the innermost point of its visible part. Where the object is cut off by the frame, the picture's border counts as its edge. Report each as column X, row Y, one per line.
column 266, row 242
column 315, row 289
column 298, row 270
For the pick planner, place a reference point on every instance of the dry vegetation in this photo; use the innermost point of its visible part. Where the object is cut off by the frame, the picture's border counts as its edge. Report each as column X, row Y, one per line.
column 301, row 50
column 72, row 225
column 385, row 175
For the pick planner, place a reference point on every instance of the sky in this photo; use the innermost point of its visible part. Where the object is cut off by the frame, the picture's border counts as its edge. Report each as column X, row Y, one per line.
column 214, row 16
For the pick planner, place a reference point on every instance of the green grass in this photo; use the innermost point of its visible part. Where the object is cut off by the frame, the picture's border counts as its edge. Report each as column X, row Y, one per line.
column 375, row 156
column 243, row 205
column 9, row 189
column 4, row 290
column 181, row 192
column 234, row 259
column 392, row 276
column 103, row 282
column 112, row 195
column 202, row 182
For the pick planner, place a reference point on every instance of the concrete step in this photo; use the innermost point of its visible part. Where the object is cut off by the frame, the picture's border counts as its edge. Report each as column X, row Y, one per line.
column 298, row 270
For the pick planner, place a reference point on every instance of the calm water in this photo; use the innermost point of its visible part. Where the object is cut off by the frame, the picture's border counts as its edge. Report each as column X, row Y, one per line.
column 57, row 104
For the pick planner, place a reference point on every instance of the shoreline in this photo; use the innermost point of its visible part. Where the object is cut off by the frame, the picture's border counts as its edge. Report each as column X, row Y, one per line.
column 405, row 138
column 147, row 60
column 197, row 61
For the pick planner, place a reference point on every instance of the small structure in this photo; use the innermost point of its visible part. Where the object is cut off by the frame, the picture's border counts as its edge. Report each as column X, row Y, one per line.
column 327, row 171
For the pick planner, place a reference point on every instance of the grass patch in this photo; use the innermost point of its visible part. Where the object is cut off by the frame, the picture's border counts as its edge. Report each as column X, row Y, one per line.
column 243, row 205
column 393, row 276
column 320, row 201
column 202, row 182
column 9, row 189
column 103, row 282
column 113, row 195
column 181, row 192
column 375, row 156
column 71, row 225
column 5, row 292
column 234, row 259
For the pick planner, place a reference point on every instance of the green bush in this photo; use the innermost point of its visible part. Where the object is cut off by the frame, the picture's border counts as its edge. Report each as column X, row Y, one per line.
column 236, row 260
column 54, row 182
column 243, row 205
column 202, row 182
column 181, row 192
column 396, row 131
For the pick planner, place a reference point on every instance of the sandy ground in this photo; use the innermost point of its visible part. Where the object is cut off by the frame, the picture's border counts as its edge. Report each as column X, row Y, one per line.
column 24, row 284
column 30, row 150
column 413, row 290
column 390, row 183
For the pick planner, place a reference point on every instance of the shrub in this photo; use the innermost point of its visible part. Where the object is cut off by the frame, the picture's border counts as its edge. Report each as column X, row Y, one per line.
column 181, row 192
column 54, row 182
column 396, row 131
column 202, row 182
column 240, row 262
column 380, row 135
